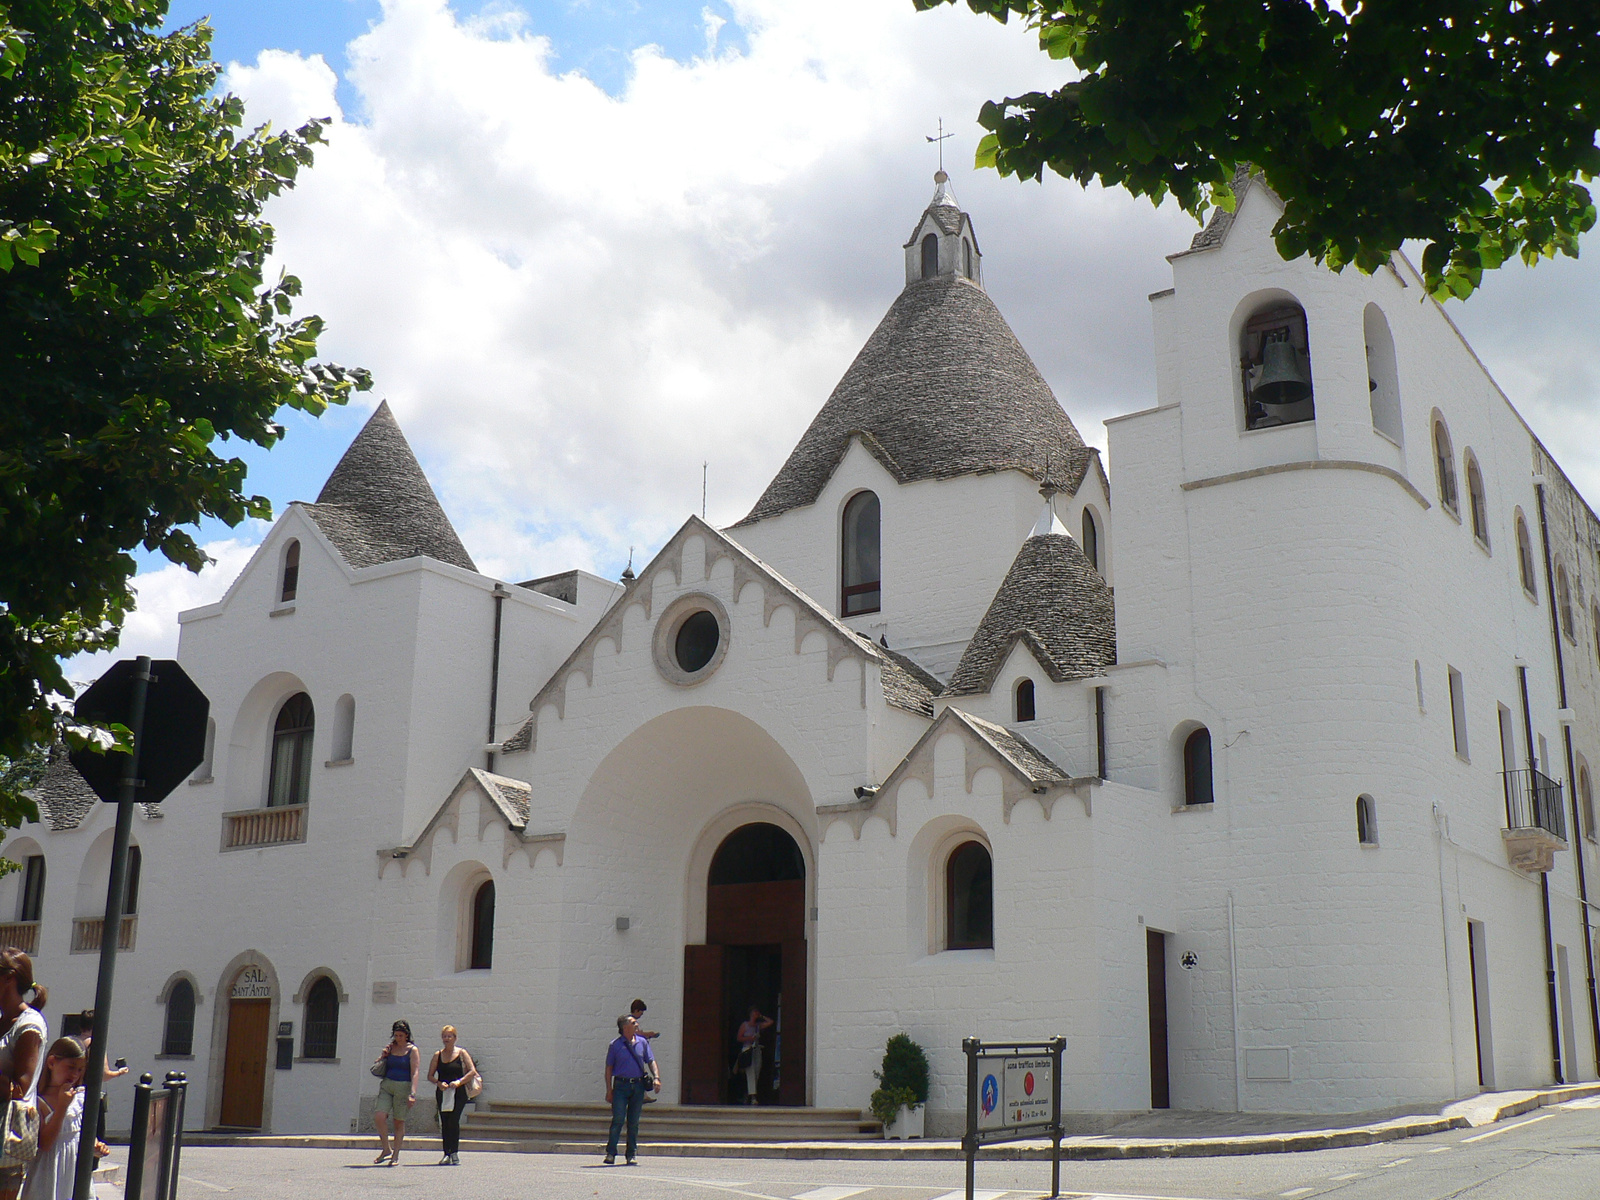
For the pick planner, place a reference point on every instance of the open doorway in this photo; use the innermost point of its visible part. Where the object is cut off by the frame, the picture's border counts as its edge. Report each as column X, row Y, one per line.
column 754, row 956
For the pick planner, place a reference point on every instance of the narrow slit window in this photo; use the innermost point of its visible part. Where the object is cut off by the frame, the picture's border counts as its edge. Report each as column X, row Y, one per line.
column 1091, row 539
column 1197, row 782
column 1477, row 500
column 482, row 956
column 1366, row 821
column 290, row 583
column 969, row 898
column 1458, row 712
column 1025, row 709
column 930, row 256
column 1564, row 603
column 1445, row 467
column 1525, row 558
column 860, row 544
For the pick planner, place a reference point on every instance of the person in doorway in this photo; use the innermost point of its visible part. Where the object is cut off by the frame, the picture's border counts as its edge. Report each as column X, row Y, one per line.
column 450, row 1070
column 749, row 1060
column 397, row 1090
column 631, row 1070
column 60, row 1123
column 22, row 1035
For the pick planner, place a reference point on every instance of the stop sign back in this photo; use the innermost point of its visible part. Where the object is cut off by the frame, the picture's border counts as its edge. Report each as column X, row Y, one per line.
column 172, row 743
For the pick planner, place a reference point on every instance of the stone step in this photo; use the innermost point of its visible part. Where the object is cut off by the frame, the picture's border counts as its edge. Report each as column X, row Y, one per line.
column 526, row 1120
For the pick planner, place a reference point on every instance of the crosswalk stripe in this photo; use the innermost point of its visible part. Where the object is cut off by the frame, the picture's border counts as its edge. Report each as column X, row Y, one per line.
column 980, row 1194
column 830, row 1193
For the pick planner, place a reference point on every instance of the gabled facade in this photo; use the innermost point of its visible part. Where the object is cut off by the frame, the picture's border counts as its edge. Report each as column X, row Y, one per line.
column 1297, row 818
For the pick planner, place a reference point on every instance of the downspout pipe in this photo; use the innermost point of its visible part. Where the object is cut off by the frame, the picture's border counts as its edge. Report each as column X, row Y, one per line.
column 1578, row 830
column 499, row 595
column 1544, row 895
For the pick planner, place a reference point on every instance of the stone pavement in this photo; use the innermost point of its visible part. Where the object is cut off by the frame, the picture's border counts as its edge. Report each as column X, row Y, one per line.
column 1153, row 1135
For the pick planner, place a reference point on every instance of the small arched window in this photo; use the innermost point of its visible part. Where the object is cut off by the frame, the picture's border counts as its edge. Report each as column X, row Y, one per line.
column 1091, row 539
column 482, row 957
column 1586, row 800
column 31, row 905
column 1564, row 603
column 859, row 546
column 321, row 1036
column 966, row 258
column 1444, row 466
column 969, row 898
column 1275, row 365
column 1197, row 767
column 344, row 728
column 1366, row 821
column 290, row 781
column 289, row 581
column 1383, row 377
column 178, row 1036
column 1476, row 500
column 930, row 256
column 1525, row 557
column 1024, row 708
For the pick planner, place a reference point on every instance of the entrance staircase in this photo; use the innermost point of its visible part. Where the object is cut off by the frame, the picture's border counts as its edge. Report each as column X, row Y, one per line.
column 537, row 1121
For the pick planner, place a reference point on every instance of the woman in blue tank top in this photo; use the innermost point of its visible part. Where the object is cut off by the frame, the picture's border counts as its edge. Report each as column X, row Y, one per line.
column 396, row 1068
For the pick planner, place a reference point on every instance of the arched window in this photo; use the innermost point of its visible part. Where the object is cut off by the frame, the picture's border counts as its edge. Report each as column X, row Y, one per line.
column 1586, row 800
column 1383, row 377
column 1444, row 466
column 1275, row 364
column 1025, row 708
column 130, row 891
column 859, row 543
column 1564, row 603
column 1525, row 557
column 1091, row 539
column 32, row 899
column 1366, row 821
column 290, row 782
column 482, row 957
column 969, row 898
column 289, row 579
column 320, row 1038
column 930, row 256
column 1197, row 767
column 1476, row 500
column 966, row 258
column 344, row 728
column 178, row 1036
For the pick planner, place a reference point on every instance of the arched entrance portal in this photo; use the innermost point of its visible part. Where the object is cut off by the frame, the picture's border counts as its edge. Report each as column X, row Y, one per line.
column 754, row 954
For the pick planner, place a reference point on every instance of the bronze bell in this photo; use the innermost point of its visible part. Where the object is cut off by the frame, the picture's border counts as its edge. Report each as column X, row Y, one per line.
column 1283, row 381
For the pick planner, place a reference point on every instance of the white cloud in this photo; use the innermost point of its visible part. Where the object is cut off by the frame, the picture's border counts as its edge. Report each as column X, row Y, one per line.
column 573, row 299
column 165, row 592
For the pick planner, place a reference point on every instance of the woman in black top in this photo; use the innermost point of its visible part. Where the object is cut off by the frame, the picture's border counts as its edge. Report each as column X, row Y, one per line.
column 451, row 1071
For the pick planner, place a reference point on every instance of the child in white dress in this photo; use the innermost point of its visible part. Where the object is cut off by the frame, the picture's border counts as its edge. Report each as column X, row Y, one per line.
column 60, row 1123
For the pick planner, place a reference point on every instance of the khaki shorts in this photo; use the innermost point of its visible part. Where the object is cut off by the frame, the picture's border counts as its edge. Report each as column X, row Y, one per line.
column 392, row 1097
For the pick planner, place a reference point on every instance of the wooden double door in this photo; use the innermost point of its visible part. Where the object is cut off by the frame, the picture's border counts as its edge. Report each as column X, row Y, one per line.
column 754, row 955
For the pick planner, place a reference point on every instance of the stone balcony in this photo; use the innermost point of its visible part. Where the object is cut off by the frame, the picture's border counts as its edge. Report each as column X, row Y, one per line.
column 1536, row 828
column 87, row 932
column 24, row 935
column 254, row 827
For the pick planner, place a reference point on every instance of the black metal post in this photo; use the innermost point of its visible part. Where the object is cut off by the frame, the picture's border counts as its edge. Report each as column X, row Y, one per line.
column 1058, row 1044
column 500, row 595
column 136, row 1149
column 969, row 1047
column 110, row 935
column 180, row 1083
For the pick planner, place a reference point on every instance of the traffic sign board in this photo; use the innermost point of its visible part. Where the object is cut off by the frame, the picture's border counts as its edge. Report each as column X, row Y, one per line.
column 172, row 743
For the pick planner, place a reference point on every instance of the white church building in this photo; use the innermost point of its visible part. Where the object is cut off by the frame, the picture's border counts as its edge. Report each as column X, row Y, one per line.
column 1265, row 777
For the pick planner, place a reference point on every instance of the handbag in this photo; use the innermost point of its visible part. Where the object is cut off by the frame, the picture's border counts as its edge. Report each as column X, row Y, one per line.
column 379, row 1069
column 19, row 1141
column 474, row 1087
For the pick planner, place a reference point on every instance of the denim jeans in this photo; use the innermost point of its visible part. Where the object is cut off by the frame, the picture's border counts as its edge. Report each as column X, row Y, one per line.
column 627, row 1099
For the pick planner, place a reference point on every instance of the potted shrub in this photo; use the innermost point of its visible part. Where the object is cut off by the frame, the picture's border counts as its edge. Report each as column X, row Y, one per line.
column 902, row 1088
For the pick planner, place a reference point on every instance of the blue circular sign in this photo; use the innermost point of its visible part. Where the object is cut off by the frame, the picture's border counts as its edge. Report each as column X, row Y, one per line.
column 989, row 1095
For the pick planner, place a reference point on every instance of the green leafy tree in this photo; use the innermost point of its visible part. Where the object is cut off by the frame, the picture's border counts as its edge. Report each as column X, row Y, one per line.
column 136, row 331
column 1467, row 125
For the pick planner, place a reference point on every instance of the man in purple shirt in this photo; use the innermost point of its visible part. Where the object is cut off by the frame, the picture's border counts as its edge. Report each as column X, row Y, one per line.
column 630, row 1072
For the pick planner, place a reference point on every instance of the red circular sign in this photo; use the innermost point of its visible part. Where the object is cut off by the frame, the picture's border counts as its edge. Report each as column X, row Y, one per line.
column 1027, row 1083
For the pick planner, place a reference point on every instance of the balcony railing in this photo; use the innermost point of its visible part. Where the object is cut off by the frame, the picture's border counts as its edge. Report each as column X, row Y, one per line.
column 264, row 827
column 1536, row 827
column 86, row 933
column 24, row 935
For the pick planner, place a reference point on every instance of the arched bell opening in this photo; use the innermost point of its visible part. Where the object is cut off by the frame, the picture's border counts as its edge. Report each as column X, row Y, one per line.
column 754, row 956
column 1275, row 366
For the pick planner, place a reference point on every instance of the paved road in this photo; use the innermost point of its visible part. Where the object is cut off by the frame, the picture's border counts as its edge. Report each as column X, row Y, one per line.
column 1553, row 1154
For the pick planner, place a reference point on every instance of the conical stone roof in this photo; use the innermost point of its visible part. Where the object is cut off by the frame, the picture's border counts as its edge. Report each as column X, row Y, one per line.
column 941, row 389
column 1058, row 604
column 378, row 506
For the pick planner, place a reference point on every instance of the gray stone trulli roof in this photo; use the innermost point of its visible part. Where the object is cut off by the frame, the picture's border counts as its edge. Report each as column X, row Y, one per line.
column 378, row 506
column 64, row 797
column 1058, row 604
column 941, row 389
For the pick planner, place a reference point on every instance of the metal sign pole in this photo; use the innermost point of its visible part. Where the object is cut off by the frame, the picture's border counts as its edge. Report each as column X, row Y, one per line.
column 110, row 935
column 1057, row 1045
column 969, row 1047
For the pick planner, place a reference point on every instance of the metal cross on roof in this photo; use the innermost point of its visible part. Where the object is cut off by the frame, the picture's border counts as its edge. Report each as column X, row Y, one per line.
column 939, row 141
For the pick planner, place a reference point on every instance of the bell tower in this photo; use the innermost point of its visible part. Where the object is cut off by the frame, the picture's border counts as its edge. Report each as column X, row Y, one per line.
column 943, row 244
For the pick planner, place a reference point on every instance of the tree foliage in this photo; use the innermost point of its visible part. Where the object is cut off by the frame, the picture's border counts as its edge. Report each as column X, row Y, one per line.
column 1465, row 124
column 136, row 332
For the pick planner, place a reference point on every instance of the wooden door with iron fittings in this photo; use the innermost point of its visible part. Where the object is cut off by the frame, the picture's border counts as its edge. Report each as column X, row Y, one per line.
column 244, row 1067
